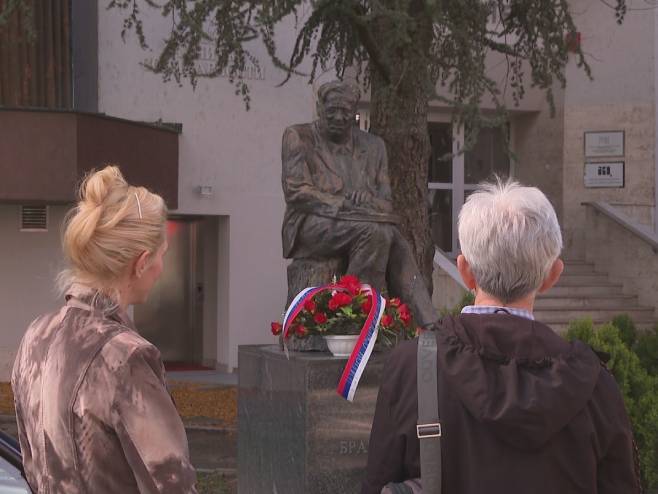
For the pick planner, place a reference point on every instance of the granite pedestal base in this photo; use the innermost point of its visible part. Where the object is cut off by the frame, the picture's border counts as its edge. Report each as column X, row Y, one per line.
column 296, row 435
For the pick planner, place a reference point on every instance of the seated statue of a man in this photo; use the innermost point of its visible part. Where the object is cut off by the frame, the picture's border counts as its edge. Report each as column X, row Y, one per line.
column 338, row 200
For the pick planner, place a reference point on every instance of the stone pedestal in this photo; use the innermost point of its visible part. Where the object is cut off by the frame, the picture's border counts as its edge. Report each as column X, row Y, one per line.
column 296, row 435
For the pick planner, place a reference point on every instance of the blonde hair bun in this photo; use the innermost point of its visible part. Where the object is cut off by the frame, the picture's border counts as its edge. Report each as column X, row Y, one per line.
column 112, row 224
column 97, row 186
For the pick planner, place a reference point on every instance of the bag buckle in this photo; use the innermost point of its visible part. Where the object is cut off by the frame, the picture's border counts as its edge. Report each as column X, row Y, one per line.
column 424, row 431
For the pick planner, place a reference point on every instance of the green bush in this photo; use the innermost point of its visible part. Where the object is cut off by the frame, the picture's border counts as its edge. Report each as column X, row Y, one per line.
column 627, row 330
column 467, row 299
column 638, row 382
column 646, row 348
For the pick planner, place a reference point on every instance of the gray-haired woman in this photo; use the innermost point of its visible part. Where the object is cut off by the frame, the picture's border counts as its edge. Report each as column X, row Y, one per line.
column 521, row 409
column 93, row 412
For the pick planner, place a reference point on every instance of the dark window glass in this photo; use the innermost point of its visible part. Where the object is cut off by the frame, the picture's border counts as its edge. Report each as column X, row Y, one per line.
column 440, row 169
column 487, row 157
column 441, row 218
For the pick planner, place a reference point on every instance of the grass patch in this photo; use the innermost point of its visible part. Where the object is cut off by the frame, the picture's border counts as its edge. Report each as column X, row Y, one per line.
column 196, row 400
column 6, row 399
column 213, row 483
column 192, row 400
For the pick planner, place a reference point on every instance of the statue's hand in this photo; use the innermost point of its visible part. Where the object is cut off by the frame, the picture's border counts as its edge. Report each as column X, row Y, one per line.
column 359, row 197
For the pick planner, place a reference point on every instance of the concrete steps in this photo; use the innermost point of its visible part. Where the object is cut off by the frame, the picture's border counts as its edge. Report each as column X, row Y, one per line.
column 587, row 303
column 577, row 267
column 583, row 279
column 584, row 292
column 644, row 314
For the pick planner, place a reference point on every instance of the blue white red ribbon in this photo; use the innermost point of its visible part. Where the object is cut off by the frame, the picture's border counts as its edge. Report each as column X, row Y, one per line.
column 358, row 360
column 356, row 364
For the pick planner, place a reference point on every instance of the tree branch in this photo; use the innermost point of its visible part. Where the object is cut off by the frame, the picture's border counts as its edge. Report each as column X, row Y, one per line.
column 501, row 47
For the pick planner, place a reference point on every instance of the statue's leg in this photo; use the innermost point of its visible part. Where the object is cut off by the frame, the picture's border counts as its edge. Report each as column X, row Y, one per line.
column 369, row 252
column 405, row 280
column 365, row 245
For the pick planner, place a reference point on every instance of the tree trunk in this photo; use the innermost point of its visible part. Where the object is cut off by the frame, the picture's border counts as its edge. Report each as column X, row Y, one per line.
column 399, row 108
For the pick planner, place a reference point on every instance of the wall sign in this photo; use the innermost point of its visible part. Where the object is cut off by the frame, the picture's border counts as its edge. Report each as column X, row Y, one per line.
column 604, row 174
column 604, row 144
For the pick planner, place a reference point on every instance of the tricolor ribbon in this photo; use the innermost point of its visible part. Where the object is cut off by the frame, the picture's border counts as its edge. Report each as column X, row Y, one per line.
column 357, row 361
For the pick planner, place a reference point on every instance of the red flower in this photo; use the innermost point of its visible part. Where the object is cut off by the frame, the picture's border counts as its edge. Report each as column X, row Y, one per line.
column 405, row 314
column 350, row 282
column 320, row 318
column 340, row 299
column 300, row 330
column 309, row 305
column 394, row 302
column 276, row 328
column 367, row 305
column 387, row 320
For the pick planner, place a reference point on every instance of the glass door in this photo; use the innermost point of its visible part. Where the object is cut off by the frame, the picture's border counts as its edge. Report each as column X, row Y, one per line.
column 452, row 179
column 442, row 175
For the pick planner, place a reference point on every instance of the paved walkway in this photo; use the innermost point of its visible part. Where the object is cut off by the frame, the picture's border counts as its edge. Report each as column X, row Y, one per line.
column 204, row 377
column 207, row 401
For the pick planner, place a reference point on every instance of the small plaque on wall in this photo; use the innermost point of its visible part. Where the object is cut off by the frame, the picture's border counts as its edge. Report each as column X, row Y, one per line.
column 609, row 174
column 604, row 144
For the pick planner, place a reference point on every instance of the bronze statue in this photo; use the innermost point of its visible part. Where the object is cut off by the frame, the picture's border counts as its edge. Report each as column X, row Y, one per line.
column 338, row 201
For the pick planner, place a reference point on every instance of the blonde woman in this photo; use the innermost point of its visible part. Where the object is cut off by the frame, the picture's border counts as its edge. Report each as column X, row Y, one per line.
column 93, row 412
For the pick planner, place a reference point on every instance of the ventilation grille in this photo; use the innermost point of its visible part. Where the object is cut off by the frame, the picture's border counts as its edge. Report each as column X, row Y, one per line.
column 34, row 218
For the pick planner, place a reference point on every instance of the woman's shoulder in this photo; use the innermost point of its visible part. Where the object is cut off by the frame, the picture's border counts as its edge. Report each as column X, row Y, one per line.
column 128, row 348
column 44, row 325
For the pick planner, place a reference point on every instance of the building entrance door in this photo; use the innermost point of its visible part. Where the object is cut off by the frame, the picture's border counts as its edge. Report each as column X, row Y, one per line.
column 453, row 176
column 170, row 318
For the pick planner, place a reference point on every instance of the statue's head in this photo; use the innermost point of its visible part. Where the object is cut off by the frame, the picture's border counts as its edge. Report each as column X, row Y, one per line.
column 337, row 104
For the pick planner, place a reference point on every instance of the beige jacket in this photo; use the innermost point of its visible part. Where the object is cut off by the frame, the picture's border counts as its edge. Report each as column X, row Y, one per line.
column 93, row 412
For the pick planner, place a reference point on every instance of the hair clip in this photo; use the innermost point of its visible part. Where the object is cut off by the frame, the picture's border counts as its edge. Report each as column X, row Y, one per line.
column 139, row 206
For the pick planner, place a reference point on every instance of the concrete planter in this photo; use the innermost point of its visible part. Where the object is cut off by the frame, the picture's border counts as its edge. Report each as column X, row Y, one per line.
column 341, row 345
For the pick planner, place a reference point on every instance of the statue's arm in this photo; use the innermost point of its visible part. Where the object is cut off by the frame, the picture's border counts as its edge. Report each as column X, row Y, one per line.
column 298, row 187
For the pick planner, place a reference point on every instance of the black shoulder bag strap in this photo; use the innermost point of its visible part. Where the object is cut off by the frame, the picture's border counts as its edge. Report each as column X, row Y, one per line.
column 428, row 428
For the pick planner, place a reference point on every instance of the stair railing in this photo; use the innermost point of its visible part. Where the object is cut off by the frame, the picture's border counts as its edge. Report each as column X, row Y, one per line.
column 448, row 265
column 627, row 259
column 641, row 231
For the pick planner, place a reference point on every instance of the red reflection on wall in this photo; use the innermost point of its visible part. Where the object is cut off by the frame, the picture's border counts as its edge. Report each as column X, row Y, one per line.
column 173, row 227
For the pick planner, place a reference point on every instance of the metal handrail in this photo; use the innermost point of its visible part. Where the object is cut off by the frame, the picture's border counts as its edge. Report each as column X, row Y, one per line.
column 641, row 231
column 448, row 265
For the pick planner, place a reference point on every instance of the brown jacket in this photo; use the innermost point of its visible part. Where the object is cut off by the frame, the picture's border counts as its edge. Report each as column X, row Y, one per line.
column 522, row 410
column 315, row 183
column 93, row 412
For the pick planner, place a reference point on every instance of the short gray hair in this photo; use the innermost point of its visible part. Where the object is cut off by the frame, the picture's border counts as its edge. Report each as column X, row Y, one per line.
column 510, row 236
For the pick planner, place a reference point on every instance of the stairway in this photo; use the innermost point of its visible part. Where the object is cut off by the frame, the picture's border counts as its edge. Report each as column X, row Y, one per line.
column 583, row 292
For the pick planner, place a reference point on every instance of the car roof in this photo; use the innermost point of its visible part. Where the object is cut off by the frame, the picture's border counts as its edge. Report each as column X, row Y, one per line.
column 11, row 479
